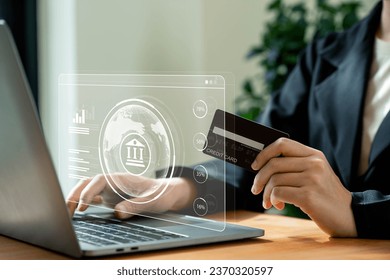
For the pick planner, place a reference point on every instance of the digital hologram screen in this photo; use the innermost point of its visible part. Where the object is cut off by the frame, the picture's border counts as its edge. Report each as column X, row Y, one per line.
column 131, row 128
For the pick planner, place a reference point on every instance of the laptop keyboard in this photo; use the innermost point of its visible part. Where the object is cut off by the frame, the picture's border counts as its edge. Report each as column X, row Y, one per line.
column 101, row 232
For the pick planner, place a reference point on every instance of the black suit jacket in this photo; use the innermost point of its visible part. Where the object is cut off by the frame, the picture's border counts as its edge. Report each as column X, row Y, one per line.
column 321, row 105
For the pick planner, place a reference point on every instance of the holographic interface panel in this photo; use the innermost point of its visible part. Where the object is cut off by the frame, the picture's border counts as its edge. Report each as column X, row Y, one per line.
column 133, row 128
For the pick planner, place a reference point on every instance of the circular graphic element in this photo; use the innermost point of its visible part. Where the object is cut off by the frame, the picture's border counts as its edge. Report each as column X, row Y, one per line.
column 200, row 109
column 199, row 141
column 200, row 174
column 135, row 142
column 200, row 206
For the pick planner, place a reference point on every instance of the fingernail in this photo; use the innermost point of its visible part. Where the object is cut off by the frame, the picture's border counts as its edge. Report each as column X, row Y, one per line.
column 254, row 165
column 82, row 206
column 254, row 189
column 121, row 212
column 119, row 208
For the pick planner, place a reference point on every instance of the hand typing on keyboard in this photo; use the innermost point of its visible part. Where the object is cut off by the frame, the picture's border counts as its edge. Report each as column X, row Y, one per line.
column 176, row 194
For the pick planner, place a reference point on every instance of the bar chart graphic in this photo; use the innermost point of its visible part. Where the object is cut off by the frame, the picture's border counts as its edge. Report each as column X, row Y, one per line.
column 79, row 117
column 82, row 120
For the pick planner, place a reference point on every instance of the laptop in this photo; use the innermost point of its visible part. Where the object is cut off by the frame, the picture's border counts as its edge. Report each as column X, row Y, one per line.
column 32, row 205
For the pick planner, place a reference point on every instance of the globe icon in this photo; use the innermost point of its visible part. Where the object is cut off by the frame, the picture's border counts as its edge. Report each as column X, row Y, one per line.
column 136, row 144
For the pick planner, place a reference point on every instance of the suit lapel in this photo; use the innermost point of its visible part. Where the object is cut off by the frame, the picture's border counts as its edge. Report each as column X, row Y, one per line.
column 381, row 140
column 340, row 97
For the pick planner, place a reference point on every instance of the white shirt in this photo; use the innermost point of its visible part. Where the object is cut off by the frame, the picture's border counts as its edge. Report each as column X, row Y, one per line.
column 377, row 102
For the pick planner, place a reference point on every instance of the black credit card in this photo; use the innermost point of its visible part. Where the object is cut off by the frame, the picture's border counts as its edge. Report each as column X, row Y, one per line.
column 238, row 140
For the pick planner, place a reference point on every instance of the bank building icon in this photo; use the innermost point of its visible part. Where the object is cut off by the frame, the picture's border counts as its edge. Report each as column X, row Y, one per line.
column 135, row 153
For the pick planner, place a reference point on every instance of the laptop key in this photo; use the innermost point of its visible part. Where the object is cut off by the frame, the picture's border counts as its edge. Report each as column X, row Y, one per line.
column 99, row 231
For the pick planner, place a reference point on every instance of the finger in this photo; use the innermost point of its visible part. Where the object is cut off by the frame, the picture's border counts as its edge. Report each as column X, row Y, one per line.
column 124, row 210
column 131, row 184
column 277, row 180
column 90, row 191
column 72, row 205
column 162, row 200
column 281, row 147
column 73, row 197
column 152, row 203
column 275, row 166
column 274, row 201
column 128, row 208
column 279, row 205
column 257, row 186
column 98, row 199
column 287, row 194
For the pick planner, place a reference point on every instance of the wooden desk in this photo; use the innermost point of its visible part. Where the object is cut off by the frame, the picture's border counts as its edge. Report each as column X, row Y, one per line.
column 285, row 238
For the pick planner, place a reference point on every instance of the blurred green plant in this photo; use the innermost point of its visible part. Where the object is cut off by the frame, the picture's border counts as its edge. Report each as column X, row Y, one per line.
column 286, row 34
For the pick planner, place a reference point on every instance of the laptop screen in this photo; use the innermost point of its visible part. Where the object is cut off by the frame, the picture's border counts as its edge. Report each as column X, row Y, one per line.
column 134, row 127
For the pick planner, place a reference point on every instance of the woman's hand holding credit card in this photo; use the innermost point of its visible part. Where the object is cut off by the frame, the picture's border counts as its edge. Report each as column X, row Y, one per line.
column 237, row 140
column 286, row 171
